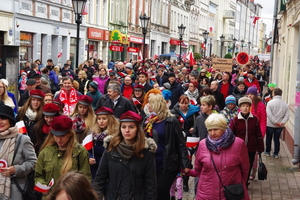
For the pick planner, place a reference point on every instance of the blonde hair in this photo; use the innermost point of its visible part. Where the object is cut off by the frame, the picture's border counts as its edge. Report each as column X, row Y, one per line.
column 112, row 126
column 56, row 70
column 83, row 73
column 159, row 106
column 49, row 94
column 209, row 100
column 75, row 85
column 5, row 95
column 216, row 121
column 68, row 158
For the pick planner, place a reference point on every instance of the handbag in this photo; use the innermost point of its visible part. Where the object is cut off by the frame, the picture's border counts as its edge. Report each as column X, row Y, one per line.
column 262, row 170
column 232, row 192
column 28, row 192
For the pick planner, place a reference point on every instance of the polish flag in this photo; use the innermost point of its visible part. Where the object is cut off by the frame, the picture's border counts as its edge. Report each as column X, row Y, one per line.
column 88, row 142
column 59, row 54
column 193, row 101
column 254, row 20
column 136, row 102
column 155, row 56
column 203, row 47
column 161, row 89
column 110, row 70
column 21, row 127
column 192, row 141
column 267, row 98
column 122, row 74
column 153, row 78
column 140, row 56
column 210, row 29
column 191, row 58
column 43, row 188
column 86, row 9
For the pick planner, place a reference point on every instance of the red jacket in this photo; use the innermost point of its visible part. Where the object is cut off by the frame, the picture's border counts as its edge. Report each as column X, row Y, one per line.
column 254, row 82
column 249, row 131
column 261, row 113
column 231, row 162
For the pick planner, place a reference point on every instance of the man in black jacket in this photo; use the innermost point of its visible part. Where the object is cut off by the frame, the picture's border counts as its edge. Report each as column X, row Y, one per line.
column 25, row 96
column 218, row 95
column 143, row 77
column 176, row 90
column 161, row 78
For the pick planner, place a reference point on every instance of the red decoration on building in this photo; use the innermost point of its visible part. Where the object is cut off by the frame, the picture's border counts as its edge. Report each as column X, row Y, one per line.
column 116, row 48
column 133, row 50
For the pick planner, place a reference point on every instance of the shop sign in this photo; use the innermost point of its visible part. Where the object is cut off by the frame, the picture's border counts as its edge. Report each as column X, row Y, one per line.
column 132, row 50
column 177, row 42
column 106, row 35
column 116, row 37
column 94, row 33
column 116, row 48
column 136, row 40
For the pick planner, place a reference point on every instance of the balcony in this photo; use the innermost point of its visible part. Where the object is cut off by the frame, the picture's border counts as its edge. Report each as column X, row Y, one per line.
column 228, row 14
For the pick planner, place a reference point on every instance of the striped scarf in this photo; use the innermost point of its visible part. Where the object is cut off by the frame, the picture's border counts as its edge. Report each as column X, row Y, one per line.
column 149, row 124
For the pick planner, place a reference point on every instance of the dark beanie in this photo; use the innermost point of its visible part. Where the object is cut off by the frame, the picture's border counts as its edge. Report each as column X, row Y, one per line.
column 6, row 111
column 171, row 74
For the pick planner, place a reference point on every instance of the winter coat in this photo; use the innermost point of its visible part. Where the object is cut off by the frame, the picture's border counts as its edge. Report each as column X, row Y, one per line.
column 130, row 89
column 12, row 96
column 23, row 98
column 24, row 163
column 261, row 76
column 277, row 111
column 118, row 178
column 164, row 80
column 199, row 127
column 147, row 87
column 177, row 91
column 248, row 130
column 239, row 94
column 44, row 88
column 45, row 77
column 53, row 77
column 254, row 82
column 189, row 118
column 28, row 124
column 230, row 89
column 230, row 113
column 122, row 106
column 261, row 113
column 268, row 96
column 96, row 152
column 101, row 83
column 231, row 161
column 50, row 161
column 82, row 85
column 95, row 96
column 175, row 152
column 68, row 72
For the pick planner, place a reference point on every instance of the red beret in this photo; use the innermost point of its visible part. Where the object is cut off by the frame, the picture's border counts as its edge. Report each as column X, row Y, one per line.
column 130, row 116
column 37, row 93
column 50, row 109
column 143, row 72
column 61, row 125
column 153, row 64
column 195, row 83
column 58, row 102
column 85, row 100
column 104, row 111
column 139, row 87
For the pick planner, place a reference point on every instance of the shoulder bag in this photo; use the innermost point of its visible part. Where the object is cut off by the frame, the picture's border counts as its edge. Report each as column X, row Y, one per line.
column 232, row 192
column 262, row 170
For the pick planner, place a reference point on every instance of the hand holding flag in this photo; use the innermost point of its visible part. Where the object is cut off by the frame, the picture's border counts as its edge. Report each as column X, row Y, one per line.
column 88, row 142
column 192, row 141
column 21, row 127
column 43, row 188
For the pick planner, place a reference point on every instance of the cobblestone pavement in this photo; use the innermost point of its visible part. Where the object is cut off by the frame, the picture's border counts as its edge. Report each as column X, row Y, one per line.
column 283, row 180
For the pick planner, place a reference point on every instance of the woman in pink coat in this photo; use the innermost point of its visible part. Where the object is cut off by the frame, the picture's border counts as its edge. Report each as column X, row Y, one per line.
column 229, row 155
column 102, row 79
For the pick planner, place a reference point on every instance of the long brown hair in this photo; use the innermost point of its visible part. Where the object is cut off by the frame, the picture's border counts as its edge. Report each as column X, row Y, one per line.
column 255, row 102
column 68, row 158
column 27, row 105
column 89, row 118
column 138, row 144
column 112, row 126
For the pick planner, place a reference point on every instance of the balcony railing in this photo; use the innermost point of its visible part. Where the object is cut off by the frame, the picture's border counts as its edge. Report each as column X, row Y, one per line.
column 228, row 14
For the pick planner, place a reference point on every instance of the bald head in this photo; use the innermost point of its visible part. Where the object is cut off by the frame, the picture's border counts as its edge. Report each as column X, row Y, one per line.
column 214, row 85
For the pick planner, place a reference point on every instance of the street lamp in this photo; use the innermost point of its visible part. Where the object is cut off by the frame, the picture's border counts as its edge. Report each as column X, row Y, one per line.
column 205, row 35
column 144, row 23
column 78, row 6
column 249, row 43
column 222, row 37
column 242, row 42
column 181, row 29
column 234, row 43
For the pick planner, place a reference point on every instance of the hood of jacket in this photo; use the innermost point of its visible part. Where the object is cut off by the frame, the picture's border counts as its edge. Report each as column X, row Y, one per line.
column 192, row 110
column 149, row 143
column 237, row 91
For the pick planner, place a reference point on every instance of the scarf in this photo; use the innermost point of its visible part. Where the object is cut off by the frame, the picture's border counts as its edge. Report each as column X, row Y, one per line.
column 149, row 124
column 69, row 100
column 192, row 95
column 100, row 136
column 125, row 150
column 7, row 153
column 230, row 113
column 30, row 114
column 46, row 129
column 218, row 141
column 78, row 124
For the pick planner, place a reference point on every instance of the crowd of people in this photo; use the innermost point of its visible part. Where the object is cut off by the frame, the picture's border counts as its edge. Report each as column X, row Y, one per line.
column 139, row 116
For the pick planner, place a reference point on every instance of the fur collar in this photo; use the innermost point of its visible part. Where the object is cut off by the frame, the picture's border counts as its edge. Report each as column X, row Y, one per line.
column 149, row 143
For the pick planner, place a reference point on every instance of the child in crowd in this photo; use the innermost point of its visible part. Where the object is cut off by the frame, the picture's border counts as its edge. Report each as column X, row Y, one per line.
column 167, row 93
column 22, row 82
column 231, row 109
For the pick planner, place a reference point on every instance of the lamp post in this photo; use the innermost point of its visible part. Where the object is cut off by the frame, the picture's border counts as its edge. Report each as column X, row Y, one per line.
column 210, row 47
column 205, row 35
column 249, row 43
column 78, row 6
column 242, row 42
column 181, row 29
column 234, row 43
column 222, row 37
column 144, row 23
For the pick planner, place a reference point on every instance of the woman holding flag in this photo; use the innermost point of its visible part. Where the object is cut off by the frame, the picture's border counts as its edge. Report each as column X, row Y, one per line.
column 60, row 154
column 105, row 124
column 137, row 97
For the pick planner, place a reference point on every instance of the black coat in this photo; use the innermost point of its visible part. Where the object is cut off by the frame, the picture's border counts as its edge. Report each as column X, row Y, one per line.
column 122, row 106
column 239, row 94
column 82, row 85
column 219, row 99
column 118, row 178
column 175, row 152
column 177, row 91
column 24, row 97
column 147, row 87
column 28, row 125
column 164, row 80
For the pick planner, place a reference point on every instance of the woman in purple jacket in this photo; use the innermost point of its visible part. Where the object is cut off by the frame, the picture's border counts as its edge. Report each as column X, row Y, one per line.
column 228, row 153
column 102, row 79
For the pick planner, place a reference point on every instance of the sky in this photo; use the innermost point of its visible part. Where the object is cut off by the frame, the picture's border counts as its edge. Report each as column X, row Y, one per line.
column 267, row 12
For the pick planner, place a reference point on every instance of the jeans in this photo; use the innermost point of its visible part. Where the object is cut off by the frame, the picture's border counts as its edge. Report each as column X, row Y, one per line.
column 269, row 134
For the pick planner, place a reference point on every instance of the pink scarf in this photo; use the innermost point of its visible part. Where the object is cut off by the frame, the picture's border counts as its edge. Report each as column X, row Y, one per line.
column 69, row 101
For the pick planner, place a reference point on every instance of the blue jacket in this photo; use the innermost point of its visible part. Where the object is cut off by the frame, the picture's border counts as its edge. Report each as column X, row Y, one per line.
column 53, row 77
column 177, row 91
column 12, row 96
column 111, row 65
column 95, row 97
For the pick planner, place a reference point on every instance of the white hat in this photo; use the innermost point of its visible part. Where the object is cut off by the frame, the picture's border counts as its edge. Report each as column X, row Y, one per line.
column 5, row 82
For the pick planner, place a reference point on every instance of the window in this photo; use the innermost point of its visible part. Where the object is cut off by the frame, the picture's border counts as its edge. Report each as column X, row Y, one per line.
column 133, row 11
column 152, row 48
column 97, row 12
column 163, row 47
column 26, row 47
column 104, row 11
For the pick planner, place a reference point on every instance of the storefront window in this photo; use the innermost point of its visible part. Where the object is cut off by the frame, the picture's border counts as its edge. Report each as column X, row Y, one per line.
column 92, row 50
column 73, row 53
column 26, row 47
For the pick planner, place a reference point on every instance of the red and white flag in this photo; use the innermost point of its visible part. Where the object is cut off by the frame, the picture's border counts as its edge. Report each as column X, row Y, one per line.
column 86, row 9
column 59, row 54
column 153, row 78
column 122, row 74
column 135, row 101
column 21, row 127
column 43, row 188
column 191, row 58
column 193, row 101
column 110, row 70
column 140, row 56
column 254, row 20
column 203, row 47
column 155, row 56
column 88, row 142
column 192, row 141
column 210, row 29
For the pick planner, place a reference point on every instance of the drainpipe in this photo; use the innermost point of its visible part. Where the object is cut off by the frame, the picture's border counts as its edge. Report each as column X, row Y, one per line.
column 272, row 46
column 297, row 112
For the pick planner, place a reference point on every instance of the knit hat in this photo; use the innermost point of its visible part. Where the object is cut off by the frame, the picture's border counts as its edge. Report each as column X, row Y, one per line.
column 252, row 90
column 230, row 99
column 24, row 73
column 166, row 94
column 7, row 112
column 5, row 82
column 241, row 78
column 61, row 125
column 128, row 65
column 245, row 100
column 167, row 86
column 94, row 85
column 272, row 85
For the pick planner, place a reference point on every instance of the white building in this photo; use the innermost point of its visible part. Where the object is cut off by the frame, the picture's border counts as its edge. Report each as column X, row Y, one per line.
column 203, row 23
column 194, row 23
column 211, row 28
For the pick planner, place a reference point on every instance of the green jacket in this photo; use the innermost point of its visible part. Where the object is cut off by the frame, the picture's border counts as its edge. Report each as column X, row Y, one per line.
column 50, row 162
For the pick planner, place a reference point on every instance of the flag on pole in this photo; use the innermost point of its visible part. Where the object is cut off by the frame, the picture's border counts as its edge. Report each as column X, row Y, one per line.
column 43, row 188
column 192, row 141
column 191, row 58
column 140, row 55
column 88, row 142
column 86, row 9
column 155, row 56
column 254, row 20
column 21, row 127
column 59, row 54
column 203, row 47
column 135, row 101
column 210, row 29
column 153, row 78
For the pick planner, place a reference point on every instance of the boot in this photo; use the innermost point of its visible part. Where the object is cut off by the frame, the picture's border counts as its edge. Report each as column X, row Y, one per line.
column 185, row 185
column 172, row 198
